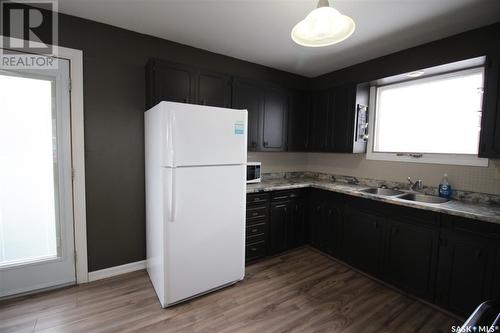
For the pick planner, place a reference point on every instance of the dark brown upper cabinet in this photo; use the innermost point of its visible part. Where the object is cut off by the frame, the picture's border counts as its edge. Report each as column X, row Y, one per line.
column 489, row 144
column 274, row 120
column 337, row 119
column 320, row 130
column 248, row 95
column 350, row 118
column 278, row 120
column 267, row 108
column 168, row 82
column 298, row 121
column 213, row 89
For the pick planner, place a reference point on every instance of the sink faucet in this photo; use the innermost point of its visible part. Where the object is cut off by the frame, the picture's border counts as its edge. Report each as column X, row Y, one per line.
column 417, row 185
column 352, row 180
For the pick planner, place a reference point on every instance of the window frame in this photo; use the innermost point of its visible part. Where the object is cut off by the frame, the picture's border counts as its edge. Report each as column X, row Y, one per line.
column 419, row 157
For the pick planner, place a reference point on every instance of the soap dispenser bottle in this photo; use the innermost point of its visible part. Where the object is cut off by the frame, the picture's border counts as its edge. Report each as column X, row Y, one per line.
column 445, row 187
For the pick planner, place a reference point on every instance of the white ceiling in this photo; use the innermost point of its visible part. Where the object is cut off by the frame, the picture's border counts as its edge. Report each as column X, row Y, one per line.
column 259, row 30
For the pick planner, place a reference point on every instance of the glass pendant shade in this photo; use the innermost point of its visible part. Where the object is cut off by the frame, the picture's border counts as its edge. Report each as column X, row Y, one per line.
column 322, row 27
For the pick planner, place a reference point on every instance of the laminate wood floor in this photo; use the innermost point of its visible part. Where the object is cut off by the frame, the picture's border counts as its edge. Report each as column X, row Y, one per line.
column 300, row 291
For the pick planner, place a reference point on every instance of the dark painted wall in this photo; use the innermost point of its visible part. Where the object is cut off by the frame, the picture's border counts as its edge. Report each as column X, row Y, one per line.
column 473, row 43
column 114, row 97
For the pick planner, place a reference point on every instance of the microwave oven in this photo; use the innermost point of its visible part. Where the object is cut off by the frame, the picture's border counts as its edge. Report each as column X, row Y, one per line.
column 253, row 172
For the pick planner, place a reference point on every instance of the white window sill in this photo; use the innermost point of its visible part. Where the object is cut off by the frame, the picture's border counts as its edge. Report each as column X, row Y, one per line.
column 468, row 160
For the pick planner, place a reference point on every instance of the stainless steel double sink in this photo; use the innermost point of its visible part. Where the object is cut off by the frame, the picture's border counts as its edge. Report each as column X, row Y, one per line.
column 387, row 192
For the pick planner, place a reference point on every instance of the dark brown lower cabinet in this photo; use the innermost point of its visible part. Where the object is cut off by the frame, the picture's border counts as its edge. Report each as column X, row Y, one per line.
column 326, row 221
column 497, row 276
column 275, row 222
column 257, row 226
column 363, row 240
column 411, row 256
column 451, row 261
column 298, row 234
column 466, row 271
column 278, row 227
column 288, row 227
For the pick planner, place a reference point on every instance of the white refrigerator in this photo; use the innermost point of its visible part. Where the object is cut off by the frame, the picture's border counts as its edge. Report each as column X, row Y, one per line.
column 195, row 198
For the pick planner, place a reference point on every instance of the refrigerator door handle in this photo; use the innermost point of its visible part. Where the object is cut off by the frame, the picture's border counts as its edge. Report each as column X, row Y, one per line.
column 172, row 196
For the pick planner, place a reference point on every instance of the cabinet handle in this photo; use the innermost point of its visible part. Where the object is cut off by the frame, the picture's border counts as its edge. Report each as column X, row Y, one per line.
column 265, row 143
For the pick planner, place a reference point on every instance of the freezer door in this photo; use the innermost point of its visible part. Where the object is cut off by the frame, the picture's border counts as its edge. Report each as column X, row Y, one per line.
column 205, row 234
column 203, row 135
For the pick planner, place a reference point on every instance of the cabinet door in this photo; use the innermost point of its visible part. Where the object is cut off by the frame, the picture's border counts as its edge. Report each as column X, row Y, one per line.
column 321, row 136
column 344, row 117
column 278, row 227
column 318, row 134
column 496, row 285
column 247, row 95
column 298, row 121
column 411, row 258
column 363, row 240
column 274, row 120
column 297, row 229
column 489, row 145
column 315, row 218
column 333, row 227
column 169, row 82
column 464, row 272
column 327, row 241
column 213, row 89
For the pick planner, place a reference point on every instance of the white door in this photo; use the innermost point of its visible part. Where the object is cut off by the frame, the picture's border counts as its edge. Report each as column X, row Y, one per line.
column 203, row 135
column 205, row 229
column 36, row 213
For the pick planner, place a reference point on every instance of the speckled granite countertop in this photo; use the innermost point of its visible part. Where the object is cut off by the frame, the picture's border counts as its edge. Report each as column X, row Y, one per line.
column 481, row 212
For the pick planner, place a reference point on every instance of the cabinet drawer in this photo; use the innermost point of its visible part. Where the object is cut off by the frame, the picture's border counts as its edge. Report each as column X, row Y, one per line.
column 256, row 229
column 286, row 195
column 251, row 222
column 257, row 199
column 255, row 239
column 256, row 212
column 255, row 251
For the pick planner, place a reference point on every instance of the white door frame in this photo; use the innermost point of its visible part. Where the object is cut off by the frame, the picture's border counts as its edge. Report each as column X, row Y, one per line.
column 75, row 58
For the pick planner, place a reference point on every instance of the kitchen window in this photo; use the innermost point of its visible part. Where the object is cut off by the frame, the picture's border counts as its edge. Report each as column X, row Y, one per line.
column 434, row 119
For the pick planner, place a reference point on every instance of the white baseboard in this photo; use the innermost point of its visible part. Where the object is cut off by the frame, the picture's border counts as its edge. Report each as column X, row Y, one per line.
column 116, row 270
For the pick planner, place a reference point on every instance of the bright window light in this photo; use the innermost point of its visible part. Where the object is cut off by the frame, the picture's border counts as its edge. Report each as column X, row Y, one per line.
column 437, row 115
column 28, row 214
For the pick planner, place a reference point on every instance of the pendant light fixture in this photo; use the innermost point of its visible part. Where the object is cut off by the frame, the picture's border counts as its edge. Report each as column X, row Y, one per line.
column 322, row 27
